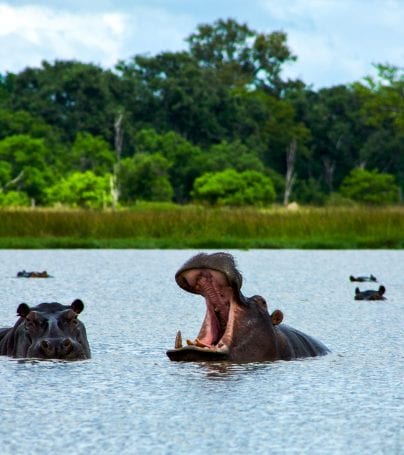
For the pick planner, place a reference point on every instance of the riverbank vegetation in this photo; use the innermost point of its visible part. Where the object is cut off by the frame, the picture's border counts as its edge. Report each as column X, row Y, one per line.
column 215, row 124
column 177, row 227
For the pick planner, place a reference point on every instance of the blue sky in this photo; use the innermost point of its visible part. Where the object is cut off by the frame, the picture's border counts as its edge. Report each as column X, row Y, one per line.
column 336, row 41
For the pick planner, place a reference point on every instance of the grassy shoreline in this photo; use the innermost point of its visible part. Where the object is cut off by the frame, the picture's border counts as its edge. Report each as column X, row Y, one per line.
column 197, row 227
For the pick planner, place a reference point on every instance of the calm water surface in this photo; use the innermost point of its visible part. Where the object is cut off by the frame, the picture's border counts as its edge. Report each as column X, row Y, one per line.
column 130, row 399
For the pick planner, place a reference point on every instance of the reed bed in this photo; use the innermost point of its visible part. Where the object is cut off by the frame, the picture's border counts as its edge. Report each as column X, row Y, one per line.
column 199, row 227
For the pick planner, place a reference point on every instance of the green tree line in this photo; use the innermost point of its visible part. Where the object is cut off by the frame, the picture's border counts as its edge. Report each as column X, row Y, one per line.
column 216, row 124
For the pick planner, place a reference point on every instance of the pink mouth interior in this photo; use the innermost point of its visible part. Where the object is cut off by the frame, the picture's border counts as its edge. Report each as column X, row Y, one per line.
column 214, row 287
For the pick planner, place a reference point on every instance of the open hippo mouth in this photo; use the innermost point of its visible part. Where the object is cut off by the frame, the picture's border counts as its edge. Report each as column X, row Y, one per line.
column 212, row 343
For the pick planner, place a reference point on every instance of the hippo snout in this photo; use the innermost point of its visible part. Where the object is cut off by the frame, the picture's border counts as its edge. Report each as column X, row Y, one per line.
column 56, row 348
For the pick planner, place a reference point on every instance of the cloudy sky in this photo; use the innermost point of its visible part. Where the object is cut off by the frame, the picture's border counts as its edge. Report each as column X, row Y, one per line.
column 336, row 41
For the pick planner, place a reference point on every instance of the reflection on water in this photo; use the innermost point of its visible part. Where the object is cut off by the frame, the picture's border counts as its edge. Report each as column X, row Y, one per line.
column 129, row 398
column 222, row 370
column 225, row 370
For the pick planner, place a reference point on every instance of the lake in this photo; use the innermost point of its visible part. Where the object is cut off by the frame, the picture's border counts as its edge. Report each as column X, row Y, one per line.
column 130, row 399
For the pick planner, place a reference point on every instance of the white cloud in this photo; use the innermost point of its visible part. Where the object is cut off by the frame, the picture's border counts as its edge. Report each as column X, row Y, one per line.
column 338, row 41
column 155, row 30
column 30, row 34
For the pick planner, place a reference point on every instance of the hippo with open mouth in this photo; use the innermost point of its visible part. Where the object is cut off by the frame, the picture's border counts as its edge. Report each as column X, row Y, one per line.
column 236, row 328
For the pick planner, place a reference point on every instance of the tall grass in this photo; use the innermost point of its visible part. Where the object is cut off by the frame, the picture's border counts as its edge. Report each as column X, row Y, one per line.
column 198, row 227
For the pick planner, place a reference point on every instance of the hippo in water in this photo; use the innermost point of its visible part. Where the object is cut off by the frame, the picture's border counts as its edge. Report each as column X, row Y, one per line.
column 46, row 331
column 370, row 294
column 24, row 274
column 362, row 279
column 235, row 328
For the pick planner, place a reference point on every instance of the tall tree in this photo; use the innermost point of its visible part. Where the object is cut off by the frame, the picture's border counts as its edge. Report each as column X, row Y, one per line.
column 144, row 178
column 370, row 187
column 68, row 95
column 241, row 55
column 92, row 153
column 24, row 166
column 230, row 187
column 181, row 96
column 185, row 160
column 382, row 111
column 336, row 133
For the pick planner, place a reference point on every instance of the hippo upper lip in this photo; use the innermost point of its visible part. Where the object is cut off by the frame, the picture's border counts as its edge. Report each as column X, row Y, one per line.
column 221, row 262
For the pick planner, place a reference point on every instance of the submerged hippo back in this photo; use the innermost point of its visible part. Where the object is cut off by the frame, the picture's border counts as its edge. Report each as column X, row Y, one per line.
column 300, row 344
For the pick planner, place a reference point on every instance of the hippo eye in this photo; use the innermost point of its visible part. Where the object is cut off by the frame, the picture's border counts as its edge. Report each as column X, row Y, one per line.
column 29, row 325
column 34, row 325
column 73, row 321
column 71, row 316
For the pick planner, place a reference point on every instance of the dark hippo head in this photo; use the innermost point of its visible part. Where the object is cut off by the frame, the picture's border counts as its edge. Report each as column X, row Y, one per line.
column 50, row 331
column 235, row 327
column 377, row 294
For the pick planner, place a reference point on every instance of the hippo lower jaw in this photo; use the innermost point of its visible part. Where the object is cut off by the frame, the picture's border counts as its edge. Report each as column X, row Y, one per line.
column 196, row 350
column 195, row 353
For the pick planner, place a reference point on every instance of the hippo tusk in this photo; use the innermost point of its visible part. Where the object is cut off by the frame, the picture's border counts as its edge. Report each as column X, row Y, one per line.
column 178, row 340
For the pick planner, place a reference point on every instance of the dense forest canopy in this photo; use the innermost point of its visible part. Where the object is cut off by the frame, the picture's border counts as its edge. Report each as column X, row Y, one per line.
column 216, row 124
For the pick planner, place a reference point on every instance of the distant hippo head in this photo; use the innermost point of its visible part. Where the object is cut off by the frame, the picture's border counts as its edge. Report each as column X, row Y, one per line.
column 376, row 294
column 47, row 331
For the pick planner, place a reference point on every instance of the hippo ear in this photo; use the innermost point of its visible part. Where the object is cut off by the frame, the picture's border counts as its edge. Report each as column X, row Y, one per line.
column 23, row 310
column 277, row 317
column 77, row 306
column 382, row 290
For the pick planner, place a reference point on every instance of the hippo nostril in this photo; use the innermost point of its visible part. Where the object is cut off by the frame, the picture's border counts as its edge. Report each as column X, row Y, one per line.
column 47, row 348
column 67, row 345
column 67, row 342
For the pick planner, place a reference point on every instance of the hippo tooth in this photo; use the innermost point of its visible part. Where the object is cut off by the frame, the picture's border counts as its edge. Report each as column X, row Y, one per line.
column 199, row 343
column 178, row 340
column 190, row 343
